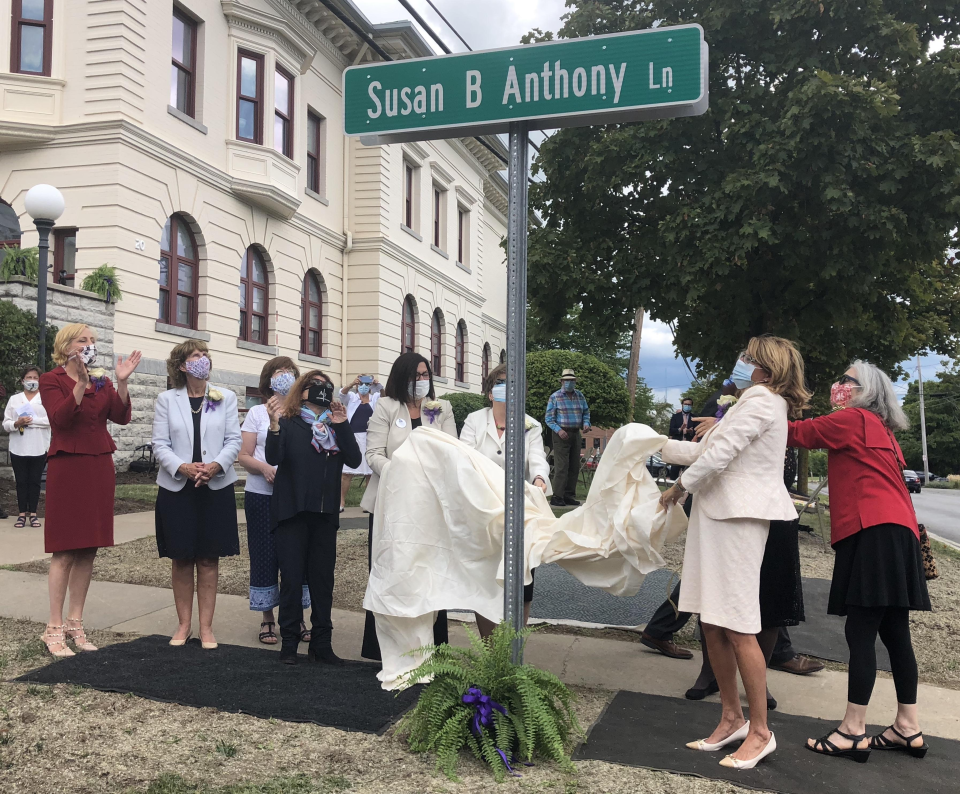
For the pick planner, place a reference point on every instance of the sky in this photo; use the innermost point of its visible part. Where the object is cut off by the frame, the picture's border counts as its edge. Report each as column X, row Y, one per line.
column 488, row 24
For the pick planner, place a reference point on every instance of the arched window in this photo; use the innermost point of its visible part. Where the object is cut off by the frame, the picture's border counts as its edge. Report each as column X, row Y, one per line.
column 461, row 352
column 253, row 297
column 436, row 343
column 486, row 360
column 408, row 326
column 9, row 226
column 503, row 356
column 177, row 303
column 311, row 319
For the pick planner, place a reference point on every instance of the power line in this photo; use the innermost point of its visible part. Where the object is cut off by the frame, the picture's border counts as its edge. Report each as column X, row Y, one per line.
column 457, row 34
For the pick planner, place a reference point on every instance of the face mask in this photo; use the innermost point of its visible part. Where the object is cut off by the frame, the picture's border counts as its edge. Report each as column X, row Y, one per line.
column 840, row 394
column 282, row 383
column 320, row 394
column 198, row 367
column 499, row 393
column 31, row 385
column 687, row 408
column 363, row 388
column 742, row 375
column 88, row 355
column 569, row 386
column 419, row 389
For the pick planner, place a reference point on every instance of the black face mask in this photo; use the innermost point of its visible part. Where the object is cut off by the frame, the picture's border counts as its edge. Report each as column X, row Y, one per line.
column 320, row 394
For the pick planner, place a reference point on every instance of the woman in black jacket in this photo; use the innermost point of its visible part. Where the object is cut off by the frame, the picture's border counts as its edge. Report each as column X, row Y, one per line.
column 309, row 441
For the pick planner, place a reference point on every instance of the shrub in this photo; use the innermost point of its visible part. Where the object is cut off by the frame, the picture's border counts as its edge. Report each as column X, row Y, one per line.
column 19, row 262
column 103, row 281
column 605, row 390
column 21, row 345
column 464, row 405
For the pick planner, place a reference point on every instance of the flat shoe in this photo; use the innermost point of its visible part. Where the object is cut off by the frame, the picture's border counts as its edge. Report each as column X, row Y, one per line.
column 699, row 694
column 824, row 746
column 737, row 736
column 732, row 763
column 881, row 742
column 181, row 643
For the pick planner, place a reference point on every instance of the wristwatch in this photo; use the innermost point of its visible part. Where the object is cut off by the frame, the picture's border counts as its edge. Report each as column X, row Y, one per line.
column 679, row 486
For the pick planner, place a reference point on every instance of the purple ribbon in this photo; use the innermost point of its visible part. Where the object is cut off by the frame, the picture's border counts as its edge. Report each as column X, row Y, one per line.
column 211, row 406
column 432, row 414
column 98, row 383
column 484, row 706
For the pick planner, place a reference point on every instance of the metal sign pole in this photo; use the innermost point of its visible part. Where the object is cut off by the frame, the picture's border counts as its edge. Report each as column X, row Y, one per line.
column 513, row 546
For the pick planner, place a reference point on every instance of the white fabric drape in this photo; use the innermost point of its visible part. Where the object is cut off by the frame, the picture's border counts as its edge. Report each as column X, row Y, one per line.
column 438, row 535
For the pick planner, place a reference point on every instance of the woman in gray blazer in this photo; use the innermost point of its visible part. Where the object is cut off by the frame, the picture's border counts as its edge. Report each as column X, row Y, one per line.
column 409, row 401
column 196, row 439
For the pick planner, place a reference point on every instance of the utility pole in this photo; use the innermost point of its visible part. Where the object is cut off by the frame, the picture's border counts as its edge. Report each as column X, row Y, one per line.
column 923, row 428
column 634, row 367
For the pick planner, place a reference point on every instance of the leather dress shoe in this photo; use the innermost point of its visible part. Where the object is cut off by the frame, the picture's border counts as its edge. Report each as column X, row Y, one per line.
column 699, row 694
column 665, row 647
column 323, row 655
column 799, row 665
column 288, row 656
column 571, row 502
column 556, row 501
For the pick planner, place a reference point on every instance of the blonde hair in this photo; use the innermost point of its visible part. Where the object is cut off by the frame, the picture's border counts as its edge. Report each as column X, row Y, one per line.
column 66, row 337
column 783, row 361
column 178, row 357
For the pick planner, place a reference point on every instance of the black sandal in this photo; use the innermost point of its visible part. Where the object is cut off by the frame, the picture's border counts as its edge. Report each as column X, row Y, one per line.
column 825, row 747
column 35, row 522
column 305, row 633
column 21, row 522
column 881, row 742
column 266, row 636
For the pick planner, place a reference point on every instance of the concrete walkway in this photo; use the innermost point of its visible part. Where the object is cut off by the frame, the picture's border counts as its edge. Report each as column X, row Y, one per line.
column 583, row 661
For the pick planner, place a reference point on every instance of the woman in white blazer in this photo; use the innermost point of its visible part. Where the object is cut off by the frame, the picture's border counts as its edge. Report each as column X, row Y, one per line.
column 408, row 402
column 736, row 474
column 26, row 420
column 196, row 439
column 485, row 431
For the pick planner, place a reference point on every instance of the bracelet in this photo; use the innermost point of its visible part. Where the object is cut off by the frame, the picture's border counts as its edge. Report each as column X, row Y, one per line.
column 679, row 486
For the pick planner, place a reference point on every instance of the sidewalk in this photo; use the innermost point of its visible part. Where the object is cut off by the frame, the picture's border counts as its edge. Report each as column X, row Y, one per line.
column 583, row 661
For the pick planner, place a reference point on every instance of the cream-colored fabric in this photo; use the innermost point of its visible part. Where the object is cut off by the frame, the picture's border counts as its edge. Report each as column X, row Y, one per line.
column 438, row 534
column 389, row 427
column 480, row 433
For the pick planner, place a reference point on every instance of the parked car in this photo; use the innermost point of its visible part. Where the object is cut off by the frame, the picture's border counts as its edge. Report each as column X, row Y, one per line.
column 933, row 477
column 912, row 480
column 656, row 466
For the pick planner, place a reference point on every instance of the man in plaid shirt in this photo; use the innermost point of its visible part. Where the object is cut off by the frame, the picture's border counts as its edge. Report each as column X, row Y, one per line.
column 567, row 414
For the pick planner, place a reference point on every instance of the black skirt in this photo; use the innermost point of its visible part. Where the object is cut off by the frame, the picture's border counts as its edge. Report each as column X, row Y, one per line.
column 197, row 522
column 781, row 589
column 880, row 566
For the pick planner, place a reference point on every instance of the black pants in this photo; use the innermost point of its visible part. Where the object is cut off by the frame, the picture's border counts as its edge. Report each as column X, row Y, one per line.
column 893, row 626
column 371, row 645
column 307, row 551
column 28, row 470
column 566, row 465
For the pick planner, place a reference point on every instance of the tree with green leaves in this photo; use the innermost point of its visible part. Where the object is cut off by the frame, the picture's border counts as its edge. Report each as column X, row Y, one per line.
column 575, row 332
column 942, row 412
column 815, row 199
column 21, row 346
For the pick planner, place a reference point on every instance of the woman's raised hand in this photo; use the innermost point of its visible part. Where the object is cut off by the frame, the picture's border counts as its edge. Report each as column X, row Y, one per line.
column 705, row 423
column 274, row 409
column 338, row 413
column 126, row 366
column 83, row 376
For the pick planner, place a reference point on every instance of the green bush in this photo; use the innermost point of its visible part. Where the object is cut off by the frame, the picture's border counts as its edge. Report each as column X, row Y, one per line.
column 21, row 345
column 103, row 281
column 464, row 405
column 19, row 262
column 605, row 390
column 818, row 463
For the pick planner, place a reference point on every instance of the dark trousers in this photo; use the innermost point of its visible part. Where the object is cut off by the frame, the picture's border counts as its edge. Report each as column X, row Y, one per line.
column 28, row 471
column 566, row 464
column 307, row 550
column 893, row 626
column 371, row 645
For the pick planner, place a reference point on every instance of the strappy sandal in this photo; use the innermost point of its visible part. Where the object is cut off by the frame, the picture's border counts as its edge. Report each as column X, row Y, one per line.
column 79, row 636
column 268, row 637
column 35, row 522
column 305, row 634
column 55, row 641
column 21, row 522
column 824, row 746
column 881, row 742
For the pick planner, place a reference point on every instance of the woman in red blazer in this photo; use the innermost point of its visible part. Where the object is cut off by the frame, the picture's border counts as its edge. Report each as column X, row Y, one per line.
column 878, row 574
column 79, row 399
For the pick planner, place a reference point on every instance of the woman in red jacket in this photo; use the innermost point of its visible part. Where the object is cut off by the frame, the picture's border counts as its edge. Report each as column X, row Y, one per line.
column 79, row 399
column 878, row 573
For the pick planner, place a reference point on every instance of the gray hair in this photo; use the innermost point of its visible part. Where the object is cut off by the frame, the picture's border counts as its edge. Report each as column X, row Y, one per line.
column 877, row 396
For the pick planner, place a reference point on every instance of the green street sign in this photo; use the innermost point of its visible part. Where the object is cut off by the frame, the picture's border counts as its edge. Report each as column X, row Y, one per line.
column 644, row 74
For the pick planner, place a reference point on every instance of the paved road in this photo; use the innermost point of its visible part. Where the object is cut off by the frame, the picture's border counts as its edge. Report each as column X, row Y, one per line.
column 940, row 511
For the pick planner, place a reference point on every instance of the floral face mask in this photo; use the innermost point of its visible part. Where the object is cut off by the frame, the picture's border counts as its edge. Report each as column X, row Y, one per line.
column 198, row 367
column 840, row 394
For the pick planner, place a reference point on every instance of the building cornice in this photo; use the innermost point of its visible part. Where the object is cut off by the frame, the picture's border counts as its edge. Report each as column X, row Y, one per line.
column 310, row 31
column 291, row 40
column 499, row 325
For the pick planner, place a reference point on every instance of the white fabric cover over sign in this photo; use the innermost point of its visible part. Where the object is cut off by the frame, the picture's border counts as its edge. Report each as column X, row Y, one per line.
column 438, row 535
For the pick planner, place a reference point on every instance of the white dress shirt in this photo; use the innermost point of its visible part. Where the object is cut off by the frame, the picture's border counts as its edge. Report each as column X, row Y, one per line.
column 35, row 439
column 480, row 433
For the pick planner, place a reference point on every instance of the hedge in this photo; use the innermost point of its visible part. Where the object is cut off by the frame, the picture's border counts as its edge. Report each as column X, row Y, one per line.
column 21, row 346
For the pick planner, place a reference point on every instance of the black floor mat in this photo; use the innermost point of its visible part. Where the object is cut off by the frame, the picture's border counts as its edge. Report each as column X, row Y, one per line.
column 651, row 731
column 236, row 679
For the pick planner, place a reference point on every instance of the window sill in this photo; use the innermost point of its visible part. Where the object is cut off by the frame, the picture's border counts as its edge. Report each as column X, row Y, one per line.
column 438, row 379
column 411, row 232
column 256, row 347
column 460, row 384
column 317, row 197
column 191, row 122
column 323, row 362
column 178, row 330
column 439, row 251
column 464, row 268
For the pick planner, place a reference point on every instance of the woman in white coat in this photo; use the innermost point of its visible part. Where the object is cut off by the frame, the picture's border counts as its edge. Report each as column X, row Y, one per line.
column 408, row 402
column 485, row 431
column 25, row 419
column 360, row 398
column 196, row 438
column 736, row 473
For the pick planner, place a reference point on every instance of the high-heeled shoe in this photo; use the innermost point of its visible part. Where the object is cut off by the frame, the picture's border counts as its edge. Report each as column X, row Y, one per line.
column 732, row 763
column 737, row 736
column 78, row 636
column 55, row 641
column 181, row 643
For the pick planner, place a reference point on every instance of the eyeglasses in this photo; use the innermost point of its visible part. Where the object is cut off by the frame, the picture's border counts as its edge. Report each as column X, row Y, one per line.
column 422, row 376
column 848, row 379
column 747, row 358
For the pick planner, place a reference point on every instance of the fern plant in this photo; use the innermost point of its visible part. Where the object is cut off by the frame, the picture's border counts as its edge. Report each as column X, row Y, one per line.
column 19, row 262
column 537, row 718
column 103, row 281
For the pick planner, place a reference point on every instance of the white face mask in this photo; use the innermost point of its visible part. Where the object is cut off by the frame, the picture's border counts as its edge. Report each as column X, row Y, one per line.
column 419, row 389
column 31, row 385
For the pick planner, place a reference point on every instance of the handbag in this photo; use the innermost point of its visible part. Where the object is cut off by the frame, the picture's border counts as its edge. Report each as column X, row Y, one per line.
column 929, row 563
column 145, row 463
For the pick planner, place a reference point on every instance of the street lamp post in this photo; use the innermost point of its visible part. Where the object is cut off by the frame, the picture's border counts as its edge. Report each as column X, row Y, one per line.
column 44, row 203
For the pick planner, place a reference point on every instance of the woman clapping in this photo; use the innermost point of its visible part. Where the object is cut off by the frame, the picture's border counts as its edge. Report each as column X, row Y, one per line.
column 309, row 441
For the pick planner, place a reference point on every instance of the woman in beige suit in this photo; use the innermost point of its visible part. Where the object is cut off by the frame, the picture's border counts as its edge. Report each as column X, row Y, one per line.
column 736, row 473
column 408, row 402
